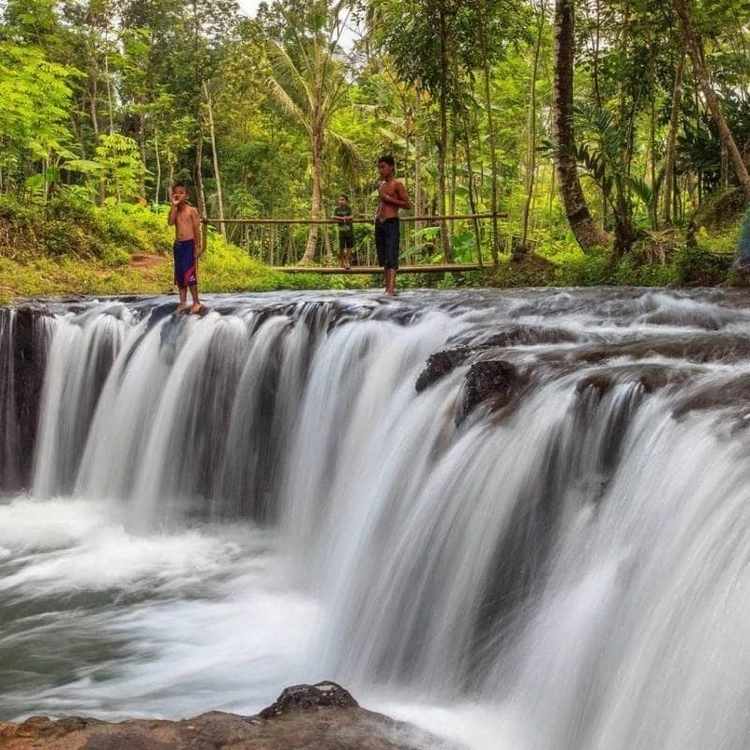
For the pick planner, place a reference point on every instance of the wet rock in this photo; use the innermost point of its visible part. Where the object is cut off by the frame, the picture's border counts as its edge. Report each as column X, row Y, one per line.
column 301, row 697
column 526, row 335
column 304, row 717
column 473, row 345
column 29, row 359
column 493, row 381
column 734, row 395
column 650, row 377
column 441, row 364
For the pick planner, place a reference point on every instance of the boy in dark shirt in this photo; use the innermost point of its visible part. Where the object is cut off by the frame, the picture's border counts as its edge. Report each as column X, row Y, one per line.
column 342, row 214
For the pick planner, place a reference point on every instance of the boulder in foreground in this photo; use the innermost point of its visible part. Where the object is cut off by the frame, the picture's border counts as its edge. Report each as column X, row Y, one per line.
column 304, row 717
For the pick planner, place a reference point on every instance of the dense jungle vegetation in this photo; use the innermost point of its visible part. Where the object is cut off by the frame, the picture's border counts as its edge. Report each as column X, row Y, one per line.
column 610, row 140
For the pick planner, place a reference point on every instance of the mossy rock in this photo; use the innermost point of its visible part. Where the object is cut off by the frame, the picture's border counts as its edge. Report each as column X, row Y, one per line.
column 699, row 266
column 527, row 269
column 720, row 211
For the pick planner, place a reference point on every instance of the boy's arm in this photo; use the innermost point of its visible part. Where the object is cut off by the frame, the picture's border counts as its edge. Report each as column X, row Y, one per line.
column 401, row 197
column 172, row 218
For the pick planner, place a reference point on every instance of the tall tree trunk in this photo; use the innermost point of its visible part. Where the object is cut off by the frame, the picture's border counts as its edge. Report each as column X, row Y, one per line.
column 531, row 132
column 110, row 97
column 696, row 56
column 144, row 154
column 472, row 199
column 443, row 141
column 317, row 195
column 654, row 207
column 93, row 104
column 201, row 196
column 670, row 157
column 487, row 76
column 215, row 156
column 158, row 167
column 170, row 182
column 587, row 232
column 418, row 198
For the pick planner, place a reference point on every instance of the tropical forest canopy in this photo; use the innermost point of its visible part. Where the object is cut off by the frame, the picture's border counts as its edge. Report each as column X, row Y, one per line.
column 613, row 118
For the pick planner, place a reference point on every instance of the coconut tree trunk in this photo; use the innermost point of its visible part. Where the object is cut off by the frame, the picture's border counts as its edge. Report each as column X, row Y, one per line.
column 696, row 56
column 588, row 233
column 317, row 195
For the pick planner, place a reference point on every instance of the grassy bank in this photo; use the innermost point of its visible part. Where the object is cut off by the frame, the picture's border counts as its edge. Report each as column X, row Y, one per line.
column 63, row 248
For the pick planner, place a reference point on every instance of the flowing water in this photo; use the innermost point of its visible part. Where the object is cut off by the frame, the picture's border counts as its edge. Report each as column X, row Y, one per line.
column 222, row 506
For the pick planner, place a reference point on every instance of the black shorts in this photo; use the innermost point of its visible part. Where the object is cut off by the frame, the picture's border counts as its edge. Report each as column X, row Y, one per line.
column 346, row 241
column 386, row 241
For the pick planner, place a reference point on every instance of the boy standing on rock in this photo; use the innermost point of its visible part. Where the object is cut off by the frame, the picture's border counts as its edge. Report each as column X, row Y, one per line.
column 187, row 247
column 392, row 196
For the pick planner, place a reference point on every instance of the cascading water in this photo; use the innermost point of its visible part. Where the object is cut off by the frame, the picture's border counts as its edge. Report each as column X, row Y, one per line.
column 536, row 539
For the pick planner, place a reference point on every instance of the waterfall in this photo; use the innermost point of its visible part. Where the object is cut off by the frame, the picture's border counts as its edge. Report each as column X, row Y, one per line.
column 534, row 502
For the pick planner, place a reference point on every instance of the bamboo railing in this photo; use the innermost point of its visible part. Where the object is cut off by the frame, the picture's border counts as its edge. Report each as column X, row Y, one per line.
column 276, row 242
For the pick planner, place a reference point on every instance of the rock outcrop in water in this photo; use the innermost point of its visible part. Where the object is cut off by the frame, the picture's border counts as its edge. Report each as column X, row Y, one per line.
column 304, row 717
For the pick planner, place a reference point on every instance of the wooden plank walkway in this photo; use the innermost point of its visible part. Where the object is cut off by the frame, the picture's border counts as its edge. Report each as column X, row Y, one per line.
column 443, row 268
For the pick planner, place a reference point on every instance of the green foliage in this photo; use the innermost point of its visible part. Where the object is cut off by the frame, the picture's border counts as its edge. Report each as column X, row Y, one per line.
column 120, row 166
column 35, row 95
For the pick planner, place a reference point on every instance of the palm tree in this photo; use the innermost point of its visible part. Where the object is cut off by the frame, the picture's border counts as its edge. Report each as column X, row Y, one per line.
column 307, row 82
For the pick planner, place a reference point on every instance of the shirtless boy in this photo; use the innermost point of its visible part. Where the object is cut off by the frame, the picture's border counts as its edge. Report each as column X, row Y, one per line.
column 187, row 247
column 392, row 196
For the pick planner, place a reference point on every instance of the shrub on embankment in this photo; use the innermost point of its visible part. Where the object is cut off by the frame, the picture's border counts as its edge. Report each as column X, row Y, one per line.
column 699, row 255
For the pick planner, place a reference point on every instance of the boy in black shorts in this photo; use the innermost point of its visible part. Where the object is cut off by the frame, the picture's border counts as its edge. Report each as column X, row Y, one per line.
column 393, row 196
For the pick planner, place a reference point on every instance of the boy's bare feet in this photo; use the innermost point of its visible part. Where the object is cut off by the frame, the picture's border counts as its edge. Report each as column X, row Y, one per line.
column 195, row 308
column 181, row 308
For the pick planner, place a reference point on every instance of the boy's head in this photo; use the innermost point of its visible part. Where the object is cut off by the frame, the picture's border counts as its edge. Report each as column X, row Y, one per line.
column 343, row 200
column 386, row 166
column 179, row 190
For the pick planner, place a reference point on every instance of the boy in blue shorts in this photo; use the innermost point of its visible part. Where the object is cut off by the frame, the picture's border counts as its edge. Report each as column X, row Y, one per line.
column 187, row 247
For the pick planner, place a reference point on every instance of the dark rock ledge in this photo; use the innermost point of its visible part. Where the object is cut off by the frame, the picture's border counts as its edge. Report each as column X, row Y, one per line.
column 304, row 717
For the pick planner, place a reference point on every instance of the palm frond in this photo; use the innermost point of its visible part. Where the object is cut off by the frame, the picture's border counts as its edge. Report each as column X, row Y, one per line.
column 287, row 76
column 642, row 189
column 348, row 155
column 278, row 95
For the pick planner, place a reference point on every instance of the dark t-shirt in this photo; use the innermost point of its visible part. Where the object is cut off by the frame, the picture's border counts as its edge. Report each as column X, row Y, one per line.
column 344, row 227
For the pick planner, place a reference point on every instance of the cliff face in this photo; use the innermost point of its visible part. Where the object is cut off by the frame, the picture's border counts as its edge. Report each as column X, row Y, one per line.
column 304, row 717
